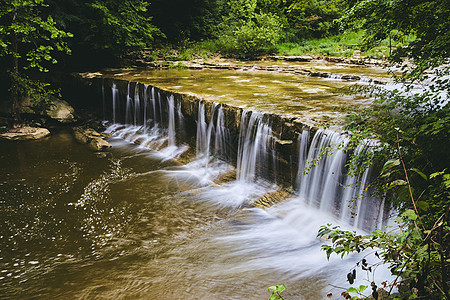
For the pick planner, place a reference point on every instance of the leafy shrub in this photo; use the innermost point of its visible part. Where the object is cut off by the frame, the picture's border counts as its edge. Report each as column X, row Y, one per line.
column 253, row 37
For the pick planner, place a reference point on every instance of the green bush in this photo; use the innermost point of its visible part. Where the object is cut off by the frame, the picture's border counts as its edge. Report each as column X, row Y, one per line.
column 253, row 37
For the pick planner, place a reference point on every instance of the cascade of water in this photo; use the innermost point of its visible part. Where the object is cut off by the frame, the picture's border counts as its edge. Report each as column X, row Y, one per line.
column 328, row 186
column 145, row 108
column 311, row 168
column 359, row 207
column 333, row 178
column 128, row 106
column 254, row 140
column 171, row 127
column 137, row 105
column 159, row 115
column 210, row 129
column 115, row 95
column 201, row 142
column 180, row 114
column 322, row 171
column 153, row 100
column 302, row 154
column 222, row 136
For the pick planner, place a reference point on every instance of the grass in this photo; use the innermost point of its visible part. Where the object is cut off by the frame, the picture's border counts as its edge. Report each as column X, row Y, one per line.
column 183, row 52
column 347, row 44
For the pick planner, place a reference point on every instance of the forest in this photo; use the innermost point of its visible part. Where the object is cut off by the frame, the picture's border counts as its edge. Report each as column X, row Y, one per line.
column 39, row 38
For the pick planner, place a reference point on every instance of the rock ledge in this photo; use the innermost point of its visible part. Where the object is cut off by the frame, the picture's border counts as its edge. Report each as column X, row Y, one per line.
column 25, row 133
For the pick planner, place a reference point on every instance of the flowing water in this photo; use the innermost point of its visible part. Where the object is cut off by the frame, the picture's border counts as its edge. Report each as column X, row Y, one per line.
column 133, row 223
column 126, row 224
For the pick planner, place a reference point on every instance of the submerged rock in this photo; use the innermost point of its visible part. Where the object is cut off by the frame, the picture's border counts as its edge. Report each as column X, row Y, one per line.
column 92, row 138
column 272, row 198
column 25, row 133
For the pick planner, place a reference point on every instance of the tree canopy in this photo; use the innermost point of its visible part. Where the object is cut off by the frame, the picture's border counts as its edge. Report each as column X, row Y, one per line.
column 428, row 22
column 28, row 37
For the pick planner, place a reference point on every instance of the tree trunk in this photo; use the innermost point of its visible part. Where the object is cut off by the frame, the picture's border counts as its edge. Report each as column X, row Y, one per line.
column 15, row 75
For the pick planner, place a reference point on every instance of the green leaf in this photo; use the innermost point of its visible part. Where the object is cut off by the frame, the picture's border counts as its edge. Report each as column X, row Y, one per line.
column 281, row 287
column 422, row 205
column 420, row 173
column 362, row 288
column 390, row 164
column 409, row 214
column 447, row 181
column 398, row 182
column 437, row 174
column 352, row 290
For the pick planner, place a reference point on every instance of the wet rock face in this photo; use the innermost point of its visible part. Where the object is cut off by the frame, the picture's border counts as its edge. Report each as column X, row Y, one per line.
column 25, row 133
column 273, row 198
column 90, row 137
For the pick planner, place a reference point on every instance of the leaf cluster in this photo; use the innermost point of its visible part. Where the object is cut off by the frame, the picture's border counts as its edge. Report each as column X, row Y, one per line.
column 246, row 33
column 419, row 28
column 28, row 34
column 276, row 291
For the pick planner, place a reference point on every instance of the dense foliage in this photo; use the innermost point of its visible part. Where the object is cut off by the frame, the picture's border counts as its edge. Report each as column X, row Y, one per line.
column 247, row 33
column 104, row 31
column 28, row 39
column 427, row 21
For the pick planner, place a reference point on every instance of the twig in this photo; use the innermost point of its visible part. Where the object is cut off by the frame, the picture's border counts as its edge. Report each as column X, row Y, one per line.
column 409, row 185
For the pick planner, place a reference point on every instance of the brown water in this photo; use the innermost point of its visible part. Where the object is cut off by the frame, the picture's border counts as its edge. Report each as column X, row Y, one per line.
column 126, row 225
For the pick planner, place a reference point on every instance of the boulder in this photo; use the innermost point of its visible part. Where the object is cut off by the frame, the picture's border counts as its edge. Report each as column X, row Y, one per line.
column 58, row 109
column 99, row 144
column 25, row 133
column 92, row 138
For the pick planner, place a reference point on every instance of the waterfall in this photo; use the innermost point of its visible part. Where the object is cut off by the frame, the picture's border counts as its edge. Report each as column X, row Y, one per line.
column 211, row 134
column 171, row 129
column 128, row 105
column 254, row 139
column 137, row 105
column 153, row 100
column 201, row 131
column 154, row 120
column 302, row 155
column 115, row 95
column 328, row 186
column 221, row 141
column 358, row 207
column 145, row 108
column 209, row 131
column 150, row 119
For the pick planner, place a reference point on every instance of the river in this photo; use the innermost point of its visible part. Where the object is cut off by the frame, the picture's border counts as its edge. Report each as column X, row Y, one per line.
column 132, row 223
